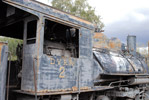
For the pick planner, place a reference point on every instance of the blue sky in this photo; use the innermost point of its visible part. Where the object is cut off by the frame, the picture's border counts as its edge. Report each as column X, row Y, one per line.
column 123, row 17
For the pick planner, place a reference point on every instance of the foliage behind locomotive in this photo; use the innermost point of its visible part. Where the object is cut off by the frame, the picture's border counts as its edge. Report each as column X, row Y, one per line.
column 56, row 60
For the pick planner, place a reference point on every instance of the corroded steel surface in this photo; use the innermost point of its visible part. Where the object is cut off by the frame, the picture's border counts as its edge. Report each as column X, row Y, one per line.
column 115, row 44
column 101, row 41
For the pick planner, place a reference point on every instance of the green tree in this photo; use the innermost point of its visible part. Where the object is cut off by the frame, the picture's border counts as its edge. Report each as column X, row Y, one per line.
column 12, row 45
column 79, row 8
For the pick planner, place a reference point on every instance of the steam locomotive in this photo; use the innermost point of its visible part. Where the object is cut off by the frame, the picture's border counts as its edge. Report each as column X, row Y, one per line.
column 57, row 60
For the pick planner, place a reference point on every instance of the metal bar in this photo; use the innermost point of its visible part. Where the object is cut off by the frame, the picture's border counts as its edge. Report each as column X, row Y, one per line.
column 77, row 96
column 118, row 82
column 78, row 79
column 7, row 97
column 35, row 79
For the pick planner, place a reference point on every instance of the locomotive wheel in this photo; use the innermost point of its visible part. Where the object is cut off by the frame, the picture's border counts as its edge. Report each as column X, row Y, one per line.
column 102, row 98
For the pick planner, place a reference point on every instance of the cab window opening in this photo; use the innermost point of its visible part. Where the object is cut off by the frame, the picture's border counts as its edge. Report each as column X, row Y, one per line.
column 60, row 40
column 31, row 32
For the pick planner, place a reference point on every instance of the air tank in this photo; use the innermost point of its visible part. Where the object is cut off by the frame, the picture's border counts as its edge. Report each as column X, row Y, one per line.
column 131, row 44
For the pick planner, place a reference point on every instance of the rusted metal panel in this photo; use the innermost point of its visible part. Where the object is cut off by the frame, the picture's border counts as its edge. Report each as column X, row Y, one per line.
column 101, row 41
column 3, row 69
column 114, row 44
column 39, row 9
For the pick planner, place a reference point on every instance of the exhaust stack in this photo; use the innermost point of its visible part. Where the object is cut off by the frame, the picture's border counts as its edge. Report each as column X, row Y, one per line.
column 131, row 44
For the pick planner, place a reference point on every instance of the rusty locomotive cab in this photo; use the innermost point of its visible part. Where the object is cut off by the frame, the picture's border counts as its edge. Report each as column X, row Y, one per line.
column 56, row 60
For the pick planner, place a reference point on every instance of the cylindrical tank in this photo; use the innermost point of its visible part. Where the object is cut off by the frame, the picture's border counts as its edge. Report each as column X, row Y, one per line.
column 131, row 44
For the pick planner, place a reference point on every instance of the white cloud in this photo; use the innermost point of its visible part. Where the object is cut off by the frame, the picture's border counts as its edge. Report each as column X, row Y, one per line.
column 114, row 10
column 139, row 16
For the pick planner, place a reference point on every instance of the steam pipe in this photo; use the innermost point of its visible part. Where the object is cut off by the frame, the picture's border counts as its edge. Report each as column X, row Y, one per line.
column 135, row 81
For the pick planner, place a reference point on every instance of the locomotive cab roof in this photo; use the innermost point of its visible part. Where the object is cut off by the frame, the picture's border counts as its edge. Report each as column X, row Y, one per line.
column 13, row 11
